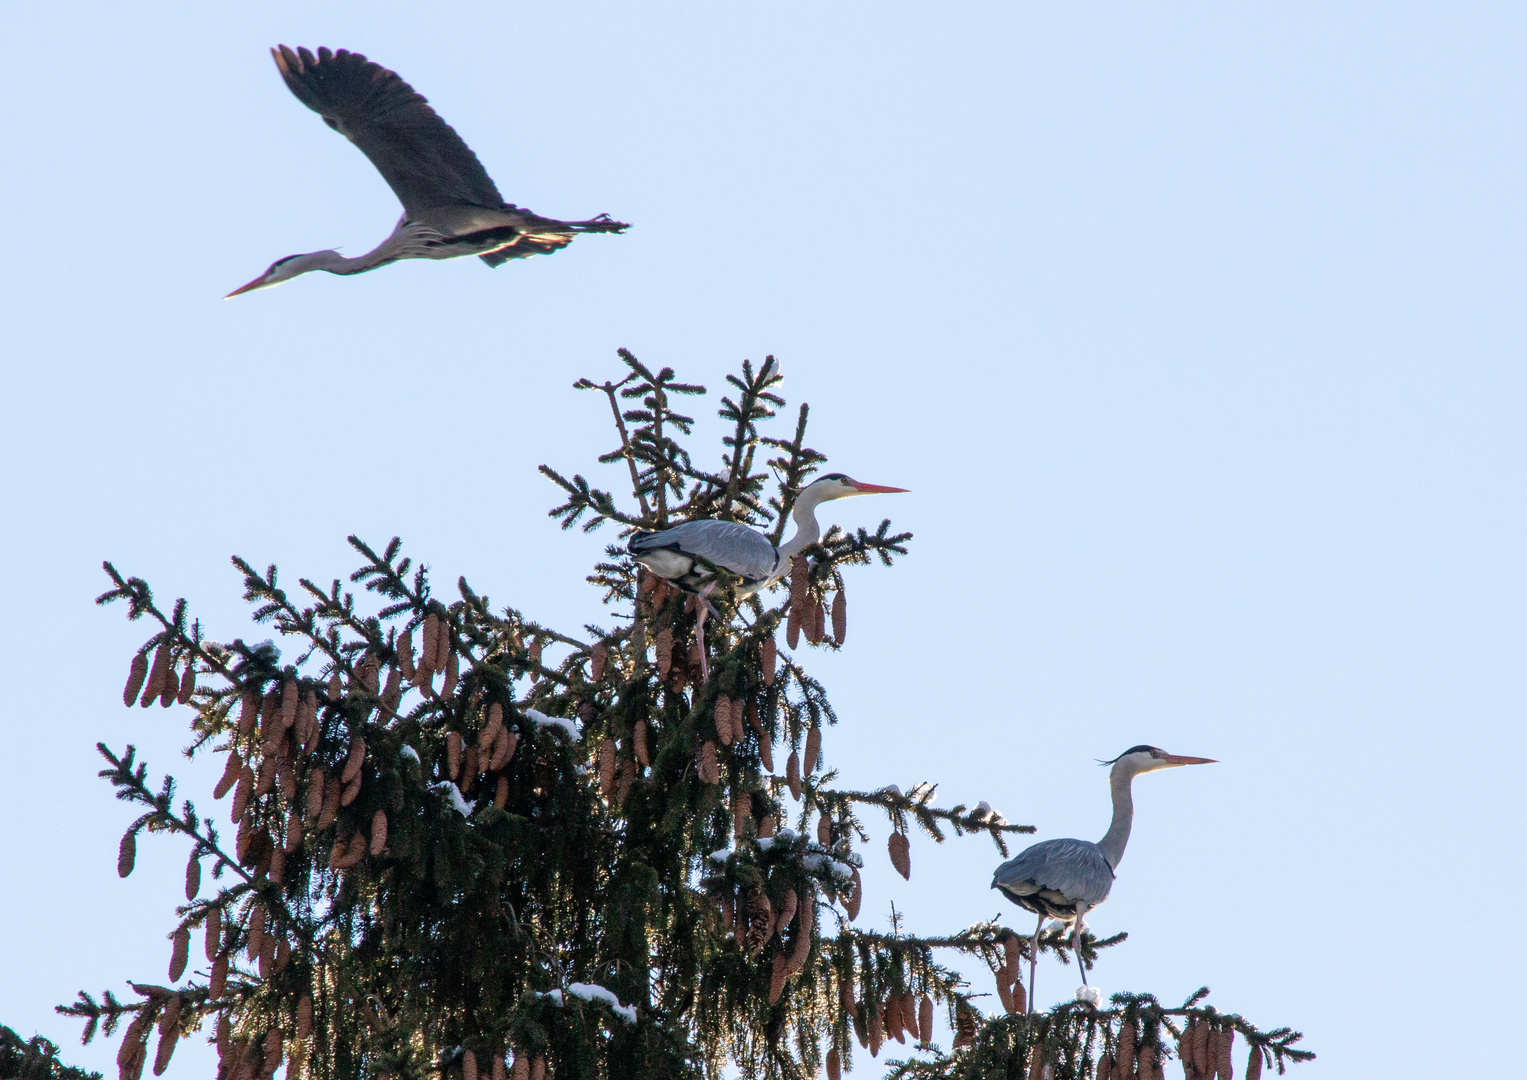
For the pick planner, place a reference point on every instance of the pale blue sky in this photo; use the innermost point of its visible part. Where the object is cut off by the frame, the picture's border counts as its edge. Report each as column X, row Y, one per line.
column 1195, row 329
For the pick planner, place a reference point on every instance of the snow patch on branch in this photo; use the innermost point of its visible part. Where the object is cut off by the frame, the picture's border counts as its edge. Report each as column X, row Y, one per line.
column 453, row 794
column 594, row 992
column 567, row 727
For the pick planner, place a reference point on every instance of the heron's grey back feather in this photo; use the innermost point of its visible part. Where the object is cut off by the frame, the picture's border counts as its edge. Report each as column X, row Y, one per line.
column 727, row 544
column 1054, row 875
column 421, row 157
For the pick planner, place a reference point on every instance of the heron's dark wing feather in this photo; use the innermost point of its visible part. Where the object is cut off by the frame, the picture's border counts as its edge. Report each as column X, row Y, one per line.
column 526, row 246
column 727, row 544
column 422, row 159
column 1074, row 869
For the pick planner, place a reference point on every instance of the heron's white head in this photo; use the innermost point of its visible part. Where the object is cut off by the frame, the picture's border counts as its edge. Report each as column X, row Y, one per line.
column 1144, row 759
column 288, row 268
column 837, row 486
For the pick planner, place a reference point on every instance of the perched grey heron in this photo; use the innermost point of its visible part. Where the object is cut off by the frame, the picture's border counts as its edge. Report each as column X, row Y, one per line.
column 1065, row 879
column 450, row 206
column 689, row 554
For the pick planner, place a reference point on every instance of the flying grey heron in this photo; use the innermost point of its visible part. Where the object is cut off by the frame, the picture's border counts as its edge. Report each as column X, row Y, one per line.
column 450, row 206
column 1065, row 879
column 689, row 554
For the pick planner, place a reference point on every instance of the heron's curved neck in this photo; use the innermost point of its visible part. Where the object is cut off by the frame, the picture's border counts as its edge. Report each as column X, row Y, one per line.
column 807, row 531
column 1112, row 844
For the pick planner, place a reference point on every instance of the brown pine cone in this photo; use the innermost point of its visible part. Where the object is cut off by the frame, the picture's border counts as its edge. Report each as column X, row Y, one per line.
column 1254, row 1062
column 639, row 743
column 777, row 978
column 1224, row 1064
column 468, row 1065
column 293, row 839
column 877, row 1027
column 533, row 657
column 249, row 711
column 331, row 796
column 909, row 1016
column 815, row 623
column 538, row 1069
column 1015, row 991
column 521, row 1070
column 351, row 791
column 723, row 719
column 599, row 656
column 766, row 827
column 127, row 853
column 834, row 1067
column 265, row 779
column 498, row 1068
column 286, row 778
column 813, row 749
column 710, row 771
column 501, row 793
column 378, row 833
column 892, row 1020
column 272, row 1050
column 1012, row 954
column 305, row 1016
column 452, row 663
column 824, row 829
column 179, row 951
column 840, row 618
column 846, row 995
column 760, row 916
column 1124, row 1056
column 187, row 683
column 315, row 794
column 1203, row 1061
column 805, row 920
column 901, row 856
column 742, row 805
column 169, row 687
column 214, row 931
column 1105, row 1069
column 854, row 897
column 1145, row 1061
column 769, row 659
column 256, row 931
column 793, row 775
column 355, row 760
column 230, row 774
column 452, row 756
column 739, row 727
column 607, row 768
column 1004, row 990
column 787, row 910
column 193, row 876
column 663, row 644
column 335, row 689
column 136, row 673
column 1037, row 1062
column 925, row 1019
column 405, row 654
column 766, row 752
column 158, row 674
column 392, row 693
column 219, row 979
column 167, row 1038
column 290, row 698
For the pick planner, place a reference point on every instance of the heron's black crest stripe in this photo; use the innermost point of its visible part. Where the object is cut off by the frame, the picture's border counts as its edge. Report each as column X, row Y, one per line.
column 1143, row 748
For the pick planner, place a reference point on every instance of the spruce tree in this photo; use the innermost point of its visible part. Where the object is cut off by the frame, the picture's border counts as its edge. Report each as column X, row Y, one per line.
column 465, row 844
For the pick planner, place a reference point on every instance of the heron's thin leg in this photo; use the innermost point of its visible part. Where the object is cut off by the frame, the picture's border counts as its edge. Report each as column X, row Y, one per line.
column 1081, row 909
column 702, row 612
column 1034, row 960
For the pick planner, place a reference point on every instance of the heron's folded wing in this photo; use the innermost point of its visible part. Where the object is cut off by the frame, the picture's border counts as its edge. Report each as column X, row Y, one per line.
column 420, row 156
column 1073, row 868
column 726, row 544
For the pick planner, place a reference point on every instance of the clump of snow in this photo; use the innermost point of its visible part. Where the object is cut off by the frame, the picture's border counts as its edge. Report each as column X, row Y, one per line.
column 892, row 789
column 567, row 727
column 593, row 992
column 983, row 811
column 452, row 793
column 410, row 753
column 720, row 855
column 1090, row 994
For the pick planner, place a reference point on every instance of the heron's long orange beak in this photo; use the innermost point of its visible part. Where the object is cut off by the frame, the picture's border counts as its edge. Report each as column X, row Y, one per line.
column 1173, row 759
column 255, row 284
column 876, row 489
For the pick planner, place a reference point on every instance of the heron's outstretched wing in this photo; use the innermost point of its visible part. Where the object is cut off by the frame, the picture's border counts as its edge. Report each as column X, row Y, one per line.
column 422, row 159
column 1065, row 871
column 726, row 544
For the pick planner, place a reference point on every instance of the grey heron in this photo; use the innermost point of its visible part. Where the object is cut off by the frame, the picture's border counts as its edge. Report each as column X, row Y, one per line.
column 1065, row 879
column 450, row 205
column 690, row 553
